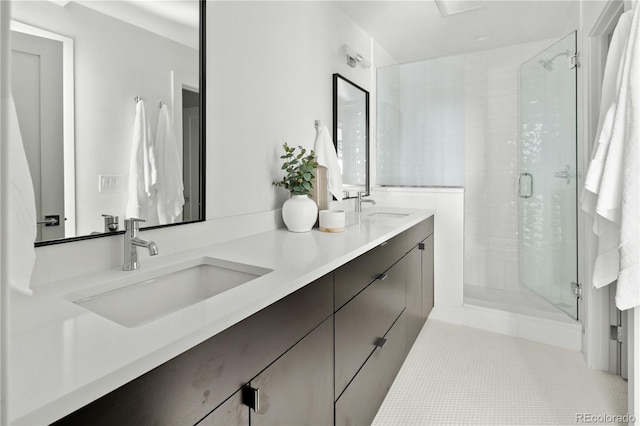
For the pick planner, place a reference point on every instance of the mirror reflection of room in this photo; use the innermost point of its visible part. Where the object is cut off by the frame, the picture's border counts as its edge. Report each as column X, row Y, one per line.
column 351, row 134
column 79, row 71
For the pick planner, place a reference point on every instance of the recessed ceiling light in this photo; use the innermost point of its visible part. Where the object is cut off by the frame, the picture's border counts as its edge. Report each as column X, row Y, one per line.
column 62, row 3
column 452, row 7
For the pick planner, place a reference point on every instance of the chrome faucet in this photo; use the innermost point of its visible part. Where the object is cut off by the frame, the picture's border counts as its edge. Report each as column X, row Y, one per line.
column 132, row 242
column 360, row 201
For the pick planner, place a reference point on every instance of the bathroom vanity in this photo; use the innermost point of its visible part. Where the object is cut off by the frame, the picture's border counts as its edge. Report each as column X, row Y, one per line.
column 324, row 353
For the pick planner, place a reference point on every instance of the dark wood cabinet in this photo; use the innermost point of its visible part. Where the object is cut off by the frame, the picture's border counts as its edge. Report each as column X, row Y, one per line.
column 366, row 318
column 427, row 273
column 231, row 412
column 420, row 295
column 359, row 403
column 415, row 317
column 326, row 353
column 356, row 275
column 298, row 388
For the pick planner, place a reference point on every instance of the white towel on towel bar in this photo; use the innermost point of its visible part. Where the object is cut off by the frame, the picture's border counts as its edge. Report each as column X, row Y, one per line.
column 142, row 167
column 170, row 188
column 628, row 122
column 606, row 225
column 327, row 157
column 22, row 229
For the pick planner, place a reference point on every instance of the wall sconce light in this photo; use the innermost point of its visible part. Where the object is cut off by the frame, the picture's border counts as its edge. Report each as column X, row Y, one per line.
column 353, row 58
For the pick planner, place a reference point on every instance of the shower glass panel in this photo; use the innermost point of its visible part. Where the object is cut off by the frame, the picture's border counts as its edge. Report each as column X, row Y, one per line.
column 547, row 181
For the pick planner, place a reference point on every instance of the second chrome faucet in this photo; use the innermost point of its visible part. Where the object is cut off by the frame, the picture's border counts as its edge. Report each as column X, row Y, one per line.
column 360, row 200
column 132, row 242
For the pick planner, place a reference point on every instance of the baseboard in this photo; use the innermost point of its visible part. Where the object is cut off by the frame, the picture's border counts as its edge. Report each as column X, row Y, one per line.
column 562, row 334
column 450, row 314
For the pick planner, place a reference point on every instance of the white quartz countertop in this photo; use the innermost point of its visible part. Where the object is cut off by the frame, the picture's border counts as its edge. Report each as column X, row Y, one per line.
column 62, row 356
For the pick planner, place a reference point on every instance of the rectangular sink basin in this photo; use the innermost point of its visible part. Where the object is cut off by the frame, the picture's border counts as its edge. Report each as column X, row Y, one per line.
column 388, row 214
column 136, row 300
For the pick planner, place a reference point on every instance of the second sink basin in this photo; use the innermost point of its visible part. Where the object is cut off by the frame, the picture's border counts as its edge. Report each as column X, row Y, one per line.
column 133, row 301
column 388, row 214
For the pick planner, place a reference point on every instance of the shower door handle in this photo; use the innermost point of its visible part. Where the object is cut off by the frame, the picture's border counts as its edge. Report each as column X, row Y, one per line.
column 529, row 194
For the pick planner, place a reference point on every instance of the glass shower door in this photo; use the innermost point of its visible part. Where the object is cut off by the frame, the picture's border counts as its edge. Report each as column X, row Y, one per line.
column 546, row 187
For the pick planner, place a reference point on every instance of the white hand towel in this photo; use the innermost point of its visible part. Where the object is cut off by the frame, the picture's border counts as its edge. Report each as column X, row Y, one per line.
column 22, row 228
column 170, row 189
column 327, row 157
column 142, row 167
column 628, row 291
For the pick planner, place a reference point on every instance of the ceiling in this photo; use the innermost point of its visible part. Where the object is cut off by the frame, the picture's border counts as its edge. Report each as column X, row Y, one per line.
column 415, row 30
column 177, row 20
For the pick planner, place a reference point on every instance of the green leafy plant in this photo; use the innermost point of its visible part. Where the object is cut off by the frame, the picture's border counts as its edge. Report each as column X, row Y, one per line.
column 300, row 168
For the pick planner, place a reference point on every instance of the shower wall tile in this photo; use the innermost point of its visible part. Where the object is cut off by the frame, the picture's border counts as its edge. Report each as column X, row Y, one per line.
column 491, row 165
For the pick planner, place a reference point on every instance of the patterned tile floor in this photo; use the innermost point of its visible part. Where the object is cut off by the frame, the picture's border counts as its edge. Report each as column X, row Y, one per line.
column 456, row 375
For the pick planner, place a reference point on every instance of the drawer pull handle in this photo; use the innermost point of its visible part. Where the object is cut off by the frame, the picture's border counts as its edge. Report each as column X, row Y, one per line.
column 384, row 244
column 382, row 277
column 251, row 397
column 380, row 341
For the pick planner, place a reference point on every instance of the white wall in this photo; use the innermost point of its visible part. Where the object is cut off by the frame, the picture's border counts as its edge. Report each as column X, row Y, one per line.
column 114, row 62
column 270, row 67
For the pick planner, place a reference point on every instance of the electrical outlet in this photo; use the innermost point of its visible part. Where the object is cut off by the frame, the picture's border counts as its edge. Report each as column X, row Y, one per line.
column 109, row 183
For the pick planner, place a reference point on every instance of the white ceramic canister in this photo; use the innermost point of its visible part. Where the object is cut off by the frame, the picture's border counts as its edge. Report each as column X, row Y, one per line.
column 332, row 220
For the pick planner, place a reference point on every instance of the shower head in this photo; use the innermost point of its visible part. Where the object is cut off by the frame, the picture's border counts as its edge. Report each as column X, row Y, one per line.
column 547, row 64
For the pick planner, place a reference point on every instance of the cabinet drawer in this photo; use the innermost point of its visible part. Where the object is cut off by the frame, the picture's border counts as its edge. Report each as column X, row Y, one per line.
column 359, row 403
column 361, row 271
column 186, row 388
column 365, row 318
column 418, row 232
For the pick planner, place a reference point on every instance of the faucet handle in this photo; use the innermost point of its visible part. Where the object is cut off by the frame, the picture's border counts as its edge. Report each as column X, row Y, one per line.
column 133, row 223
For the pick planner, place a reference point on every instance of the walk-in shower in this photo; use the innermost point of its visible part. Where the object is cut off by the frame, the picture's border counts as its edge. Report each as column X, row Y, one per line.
column 547, row 190
column 506, row 119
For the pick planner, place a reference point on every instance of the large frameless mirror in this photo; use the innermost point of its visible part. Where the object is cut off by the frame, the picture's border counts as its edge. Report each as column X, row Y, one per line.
column 79, row 69
column 351, row 134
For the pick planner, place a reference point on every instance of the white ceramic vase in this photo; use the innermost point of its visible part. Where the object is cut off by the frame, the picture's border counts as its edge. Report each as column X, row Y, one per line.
column 299, row 213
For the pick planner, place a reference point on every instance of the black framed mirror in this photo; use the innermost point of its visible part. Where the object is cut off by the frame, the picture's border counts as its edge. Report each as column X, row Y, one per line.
column 351, row 134
column 106, row 57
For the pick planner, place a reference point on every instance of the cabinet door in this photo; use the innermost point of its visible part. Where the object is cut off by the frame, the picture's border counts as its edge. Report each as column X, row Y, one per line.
column 298, row 388
column 427, row 277
column 414, row 313
column 230, row 412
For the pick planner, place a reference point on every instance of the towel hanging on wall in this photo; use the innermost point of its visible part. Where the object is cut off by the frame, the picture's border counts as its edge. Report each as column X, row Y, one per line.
column 614, row 172
column 327, row 157
column 142, row 167
column 628, row 120
column 22, row 228
column 606, row 227
column 169, row 186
